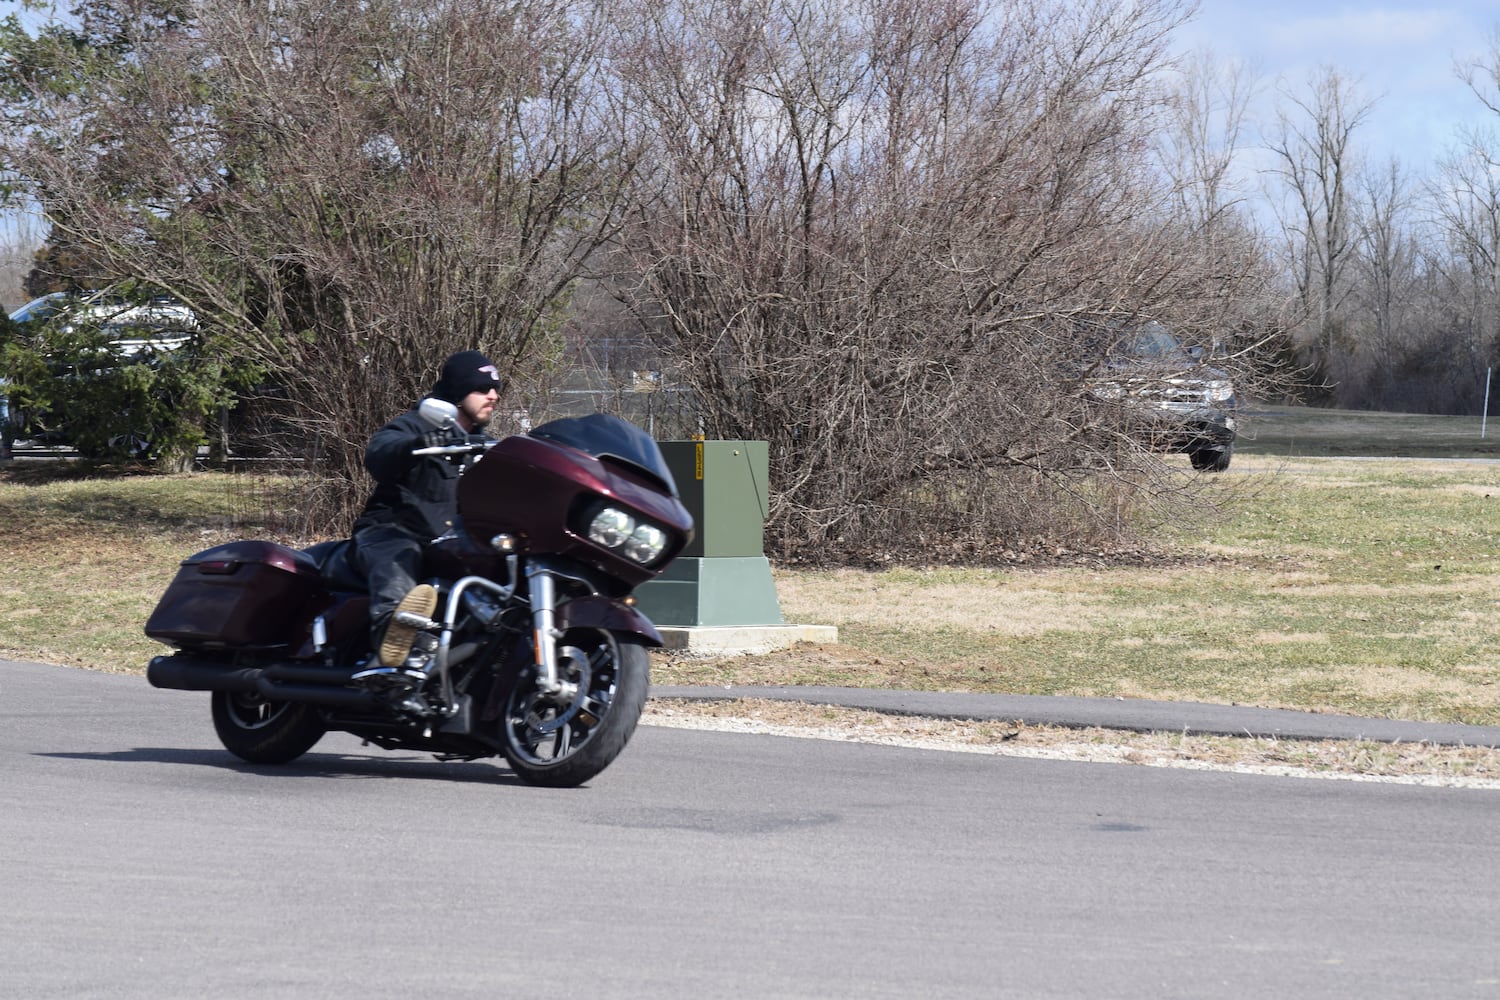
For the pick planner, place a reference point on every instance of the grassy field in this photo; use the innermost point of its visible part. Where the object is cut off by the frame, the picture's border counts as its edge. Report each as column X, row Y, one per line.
column 1367, row 587
column 1301, row 431
column 1338, row 584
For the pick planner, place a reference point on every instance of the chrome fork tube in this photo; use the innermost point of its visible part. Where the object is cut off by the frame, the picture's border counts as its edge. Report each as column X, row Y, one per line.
column 544, row 625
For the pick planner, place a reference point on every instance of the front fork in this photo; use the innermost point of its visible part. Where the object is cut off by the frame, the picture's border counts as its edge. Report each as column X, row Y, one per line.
column 541, row 584
column 544, row 633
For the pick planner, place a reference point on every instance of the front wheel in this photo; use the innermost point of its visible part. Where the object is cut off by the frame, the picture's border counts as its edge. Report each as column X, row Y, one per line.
column 1212, row 459
column 261, row 731
column 562, row 739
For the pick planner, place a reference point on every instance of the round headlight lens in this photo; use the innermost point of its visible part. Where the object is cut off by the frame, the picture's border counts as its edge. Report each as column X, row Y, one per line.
column 1107, row 390
column 1219, row 390
column 611, row 527
column 645, row 544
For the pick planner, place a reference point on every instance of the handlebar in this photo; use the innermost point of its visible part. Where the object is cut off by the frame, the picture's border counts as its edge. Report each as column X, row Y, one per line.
column 456, row 449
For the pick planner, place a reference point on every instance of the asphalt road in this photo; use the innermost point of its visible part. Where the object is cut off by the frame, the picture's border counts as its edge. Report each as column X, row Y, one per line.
column 138, row 860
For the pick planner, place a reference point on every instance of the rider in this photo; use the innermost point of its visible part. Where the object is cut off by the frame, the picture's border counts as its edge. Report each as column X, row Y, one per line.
column 415, row 501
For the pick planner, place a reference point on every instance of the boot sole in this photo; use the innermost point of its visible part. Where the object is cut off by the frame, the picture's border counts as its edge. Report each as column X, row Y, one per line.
column 396, row 646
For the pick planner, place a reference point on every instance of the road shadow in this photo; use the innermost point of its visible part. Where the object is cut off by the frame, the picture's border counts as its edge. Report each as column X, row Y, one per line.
column 311, row 765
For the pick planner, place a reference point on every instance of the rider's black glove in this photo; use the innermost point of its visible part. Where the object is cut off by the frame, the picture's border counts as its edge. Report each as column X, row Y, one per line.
column 441, row 438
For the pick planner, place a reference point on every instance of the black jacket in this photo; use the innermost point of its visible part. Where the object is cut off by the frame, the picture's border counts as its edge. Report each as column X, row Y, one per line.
column 419, row 494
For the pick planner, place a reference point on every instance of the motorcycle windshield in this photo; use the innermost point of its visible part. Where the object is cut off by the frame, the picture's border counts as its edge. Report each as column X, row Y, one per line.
column 608, row 437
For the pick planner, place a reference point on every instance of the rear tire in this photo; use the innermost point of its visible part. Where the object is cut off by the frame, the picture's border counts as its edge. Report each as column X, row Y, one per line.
column 563, row 741
column 260, row 731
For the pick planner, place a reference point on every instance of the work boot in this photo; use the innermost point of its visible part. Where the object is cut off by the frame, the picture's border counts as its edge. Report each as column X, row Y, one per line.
column 395, row 647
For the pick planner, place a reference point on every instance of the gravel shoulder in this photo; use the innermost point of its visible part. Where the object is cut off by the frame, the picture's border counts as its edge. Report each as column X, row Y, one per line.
column 1349, row 760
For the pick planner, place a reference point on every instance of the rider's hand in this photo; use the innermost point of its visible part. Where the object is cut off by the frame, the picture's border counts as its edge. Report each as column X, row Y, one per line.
column 441, row 438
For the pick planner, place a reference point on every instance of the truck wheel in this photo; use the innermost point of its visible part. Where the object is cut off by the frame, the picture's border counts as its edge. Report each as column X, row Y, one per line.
column 1211, row 459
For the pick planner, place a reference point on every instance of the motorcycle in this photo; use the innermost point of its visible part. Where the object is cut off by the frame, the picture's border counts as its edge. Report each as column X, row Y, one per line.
column 535, row 652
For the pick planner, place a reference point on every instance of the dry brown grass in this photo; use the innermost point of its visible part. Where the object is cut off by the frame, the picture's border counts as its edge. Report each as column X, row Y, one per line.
column 1015, row 604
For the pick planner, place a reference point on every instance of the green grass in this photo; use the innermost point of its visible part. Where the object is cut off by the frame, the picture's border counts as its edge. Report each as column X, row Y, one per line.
column 1303, row 431
column 1348, row 585
column 1332, row 584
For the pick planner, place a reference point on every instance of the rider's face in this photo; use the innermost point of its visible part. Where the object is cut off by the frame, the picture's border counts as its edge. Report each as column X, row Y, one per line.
column 478, row 407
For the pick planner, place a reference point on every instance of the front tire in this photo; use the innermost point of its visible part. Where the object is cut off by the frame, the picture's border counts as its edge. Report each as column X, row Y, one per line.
column 1212, row 459
column 261, row 731
column 562, row 740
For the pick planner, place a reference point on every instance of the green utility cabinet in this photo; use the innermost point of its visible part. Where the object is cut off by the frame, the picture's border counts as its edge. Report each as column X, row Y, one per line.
column 723, row 577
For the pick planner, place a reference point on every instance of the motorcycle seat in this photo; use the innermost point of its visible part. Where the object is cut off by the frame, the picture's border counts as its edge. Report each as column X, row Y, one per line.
column 335, row 564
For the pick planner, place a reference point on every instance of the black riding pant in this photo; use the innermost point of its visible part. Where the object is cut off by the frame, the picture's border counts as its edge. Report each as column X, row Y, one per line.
column 391, row 560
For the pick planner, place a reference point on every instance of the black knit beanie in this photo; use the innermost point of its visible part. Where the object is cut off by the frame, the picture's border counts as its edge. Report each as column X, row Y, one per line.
column 465, row 372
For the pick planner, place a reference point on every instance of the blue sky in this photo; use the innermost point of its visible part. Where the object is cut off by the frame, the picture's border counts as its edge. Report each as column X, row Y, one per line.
column 1400, row 52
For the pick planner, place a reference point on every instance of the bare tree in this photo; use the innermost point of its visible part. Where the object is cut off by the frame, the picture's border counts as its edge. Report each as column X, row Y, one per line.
column 347, row 192
column 1385, row 275
column 1316, row 161
column 1482, row 73
column 1202, row 142
column 1203, row 157
column 1466, row 194
column 871, row 235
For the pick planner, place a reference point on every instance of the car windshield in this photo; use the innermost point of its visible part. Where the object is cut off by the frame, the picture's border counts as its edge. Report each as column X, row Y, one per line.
column 40, row 309
column 1154, row 342
column 109, row 312
column 609, row 437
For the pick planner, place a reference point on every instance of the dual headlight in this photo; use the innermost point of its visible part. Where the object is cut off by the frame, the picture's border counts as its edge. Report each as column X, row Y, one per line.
column 1218, row 390
column 638, row 541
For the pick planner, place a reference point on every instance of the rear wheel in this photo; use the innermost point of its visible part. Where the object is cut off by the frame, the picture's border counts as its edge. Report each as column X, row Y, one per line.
column 562, row 739
column 262, row 731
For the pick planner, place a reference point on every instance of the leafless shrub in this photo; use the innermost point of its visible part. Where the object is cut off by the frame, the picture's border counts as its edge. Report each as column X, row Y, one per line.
column 869, row 234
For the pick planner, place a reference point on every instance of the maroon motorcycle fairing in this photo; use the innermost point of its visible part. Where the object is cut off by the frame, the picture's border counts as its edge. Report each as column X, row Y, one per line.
column 524, row 483
column 611, row 616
